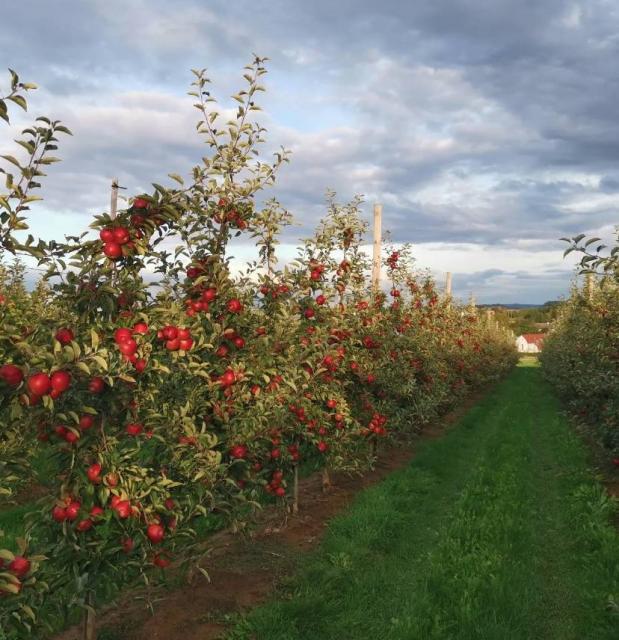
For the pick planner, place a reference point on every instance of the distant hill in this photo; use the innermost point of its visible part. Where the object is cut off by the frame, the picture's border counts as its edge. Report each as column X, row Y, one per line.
column 517, row 305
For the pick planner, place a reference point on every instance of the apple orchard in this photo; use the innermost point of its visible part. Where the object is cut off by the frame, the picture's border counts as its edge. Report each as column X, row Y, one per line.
column 157, row 407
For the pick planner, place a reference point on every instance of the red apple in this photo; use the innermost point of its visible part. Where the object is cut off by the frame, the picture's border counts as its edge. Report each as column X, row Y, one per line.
column 39, row 384
column 11, row 374
column 112, row 250
column 64, row 336
column 60, row 381
column 155, row 533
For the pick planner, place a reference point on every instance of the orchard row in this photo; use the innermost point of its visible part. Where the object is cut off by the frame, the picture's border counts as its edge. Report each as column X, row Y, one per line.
column 209, row 392
column 581, row 356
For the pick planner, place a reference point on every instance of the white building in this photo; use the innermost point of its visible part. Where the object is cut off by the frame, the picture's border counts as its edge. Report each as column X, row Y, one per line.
column 530, row 342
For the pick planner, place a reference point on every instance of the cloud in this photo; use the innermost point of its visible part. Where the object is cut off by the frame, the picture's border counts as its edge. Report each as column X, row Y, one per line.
column 483, row 126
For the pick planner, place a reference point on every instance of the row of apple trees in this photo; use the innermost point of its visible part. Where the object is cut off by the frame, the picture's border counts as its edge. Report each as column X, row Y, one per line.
column 581, row 355
column 166, row 386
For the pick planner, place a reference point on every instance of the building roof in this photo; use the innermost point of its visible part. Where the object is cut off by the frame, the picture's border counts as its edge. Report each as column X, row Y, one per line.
column 534, row 338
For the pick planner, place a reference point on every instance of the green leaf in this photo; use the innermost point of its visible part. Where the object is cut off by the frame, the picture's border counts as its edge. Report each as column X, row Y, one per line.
column 19, row 100
column 12, row 160
column 82, row 366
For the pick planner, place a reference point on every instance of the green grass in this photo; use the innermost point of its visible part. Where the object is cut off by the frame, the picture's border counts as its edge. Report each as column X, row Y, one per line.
column 497, row 531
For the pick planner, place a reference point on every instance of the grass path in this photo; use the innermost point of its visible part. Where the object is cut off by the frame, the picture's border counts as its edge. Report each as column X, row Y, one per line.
column 498, row 531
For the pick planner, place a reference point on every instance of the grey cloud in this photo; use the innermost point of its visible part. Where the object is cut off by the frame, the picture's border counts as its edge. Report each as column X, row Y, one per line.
column 482, row 121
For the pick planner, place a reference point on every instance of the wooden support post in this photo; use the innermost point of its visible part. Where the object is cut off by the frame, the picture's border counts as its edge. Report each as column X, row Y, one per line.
column 448, row 289
column 89, row 629
column 114, row 199
column 295, row 490
column 472, row 303
column 378, row 214
column 326, row 480
column 589, row 286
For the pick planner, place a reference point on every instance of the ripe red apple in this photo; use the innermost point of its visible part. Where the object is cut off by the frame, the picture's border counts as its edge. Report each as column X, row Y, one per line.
column 123, row 509
column 60, row 381
column 322, row 446
column 140, row 365
column 86, row 422
column 155, row 533
column 209, row 295
column 94, row 472
column 309, row 313
column 72, row 510
column 59, row 514
column 11, row 374
column 127, row 544
column 141, row 328
column 161, row 561
column 19, row 566
column 331, row 403
column 71, row 437
column 121, row 235
column 39, row 384
column 140, row 203
column 96, row 385
column 228, row 378
column 84, row 525
column 112, row 250
column 170, row 332
column 235, row 306
column 128, row 347
column 238, row 451
column 123, row 333
column 134, row 429
column 64, row 336
column 185, row 344
column 107, row 235
column 96, row 512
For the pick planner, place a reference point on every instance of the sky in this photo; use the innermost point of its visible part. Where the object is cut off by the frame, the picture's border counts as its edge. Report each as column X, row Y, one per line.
column 486, row 128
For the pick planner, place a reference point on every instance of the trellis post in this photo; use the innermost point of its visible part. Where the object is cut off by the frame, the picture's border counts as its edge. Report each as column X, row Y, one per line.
column 378, row 214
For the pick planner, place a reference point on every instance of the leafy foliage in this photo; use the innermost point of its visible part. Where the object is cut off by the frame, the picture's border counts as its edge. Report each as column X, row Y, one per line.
column 581, row 354
column 163, row 403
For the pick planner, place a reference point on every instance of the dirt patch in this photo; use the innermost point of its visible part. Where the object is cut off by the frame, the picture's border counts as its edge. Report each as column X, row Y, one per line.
column 245, row 570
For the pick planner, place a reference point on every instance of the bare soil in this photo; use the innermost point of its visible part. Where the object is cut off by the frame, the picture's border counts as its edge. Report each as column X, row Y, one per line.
column 246, row 569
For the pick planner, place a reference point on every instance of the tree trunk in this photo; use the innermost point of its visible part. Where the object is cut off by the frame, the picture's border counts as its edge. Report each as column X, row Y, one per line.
column 90, row 630
column 326, row 480
column 295, row 490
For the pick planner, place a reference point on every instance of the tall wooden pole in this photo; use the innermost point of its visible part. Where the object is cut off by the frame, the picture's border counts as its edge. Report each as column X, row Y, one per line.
column 472, row 303
column 114, row 199
column 378, row 214
column 590, row 283
column 448, row 285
